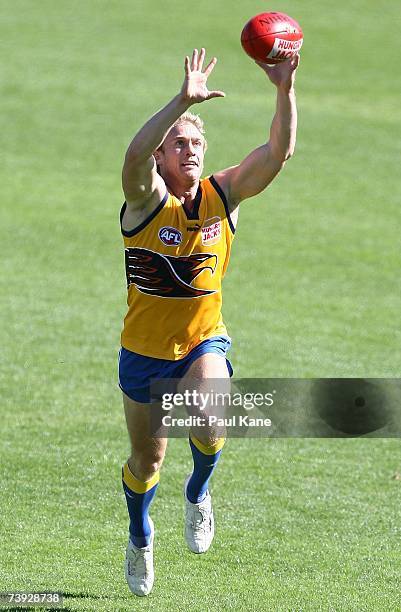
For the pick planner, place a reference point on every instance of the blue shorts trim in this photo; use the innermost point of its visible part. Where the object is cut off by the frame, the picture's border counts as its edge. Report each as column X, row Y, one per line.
column 135, row 371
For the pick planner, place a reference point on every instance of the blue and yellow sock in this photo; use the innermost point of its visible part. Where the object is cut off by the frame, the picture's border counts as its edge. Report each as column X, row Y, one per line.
column 139, row 496
column 205, row 460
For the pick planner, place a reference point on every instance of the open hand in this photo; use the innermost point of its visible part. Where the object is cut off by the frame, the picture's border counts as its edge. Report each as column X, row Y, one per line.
column 282, row 74
column 194, row 88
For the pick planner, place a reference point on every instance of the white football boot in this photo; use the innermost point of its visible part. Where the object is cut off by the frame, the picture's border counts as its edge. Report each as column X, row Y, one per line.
column 199, row 522
column 139, row 572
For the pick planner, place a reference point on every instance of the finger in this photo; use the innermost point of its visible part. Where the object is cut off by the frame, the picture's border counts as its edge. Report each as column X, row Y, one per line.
column 296, row 60
column 201, row 58
column 194, row 65
column 187, row 66
column 216, row 94
column 210, row 66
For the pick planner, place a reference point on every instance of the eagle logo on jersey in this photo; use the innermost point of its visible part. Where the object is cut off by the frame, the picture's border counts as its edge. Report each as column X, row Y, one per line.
column 165, row 275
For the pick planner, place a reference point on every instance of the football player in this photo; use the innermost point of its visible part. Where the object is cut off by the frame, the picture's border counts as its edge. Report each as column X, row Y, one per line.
column 178, row 229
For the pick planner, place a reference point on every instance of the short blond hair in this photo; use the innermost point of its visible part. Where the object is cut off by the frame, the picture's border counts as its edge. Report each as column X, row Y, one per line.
column 189, row 117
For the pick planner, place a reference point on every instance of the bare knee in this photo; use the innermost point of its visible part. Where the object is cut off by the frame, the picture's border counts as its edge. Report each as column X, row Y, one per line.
column 147, row 453
column 145, row 464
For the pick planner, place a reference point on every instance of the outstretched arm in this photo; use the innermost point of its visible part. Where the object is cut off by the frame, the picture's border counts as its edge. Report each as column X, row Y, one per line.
column 140, row 178
column 260, row 167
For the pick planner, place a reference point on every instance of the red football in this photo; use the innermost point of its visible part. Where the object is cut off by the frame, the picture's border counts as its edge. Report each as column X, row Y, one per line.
column 271, row 37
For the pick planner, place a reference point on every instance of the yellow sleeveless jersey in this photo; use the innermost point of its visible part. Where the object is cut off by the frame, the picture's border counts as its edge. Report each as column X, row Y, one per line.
column 175, row 263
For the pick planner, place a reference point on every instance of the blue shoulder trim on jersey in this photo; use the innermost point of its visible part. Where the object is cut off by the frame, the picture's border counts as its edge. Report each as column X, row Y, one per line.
column 144, row 223
column 224, row 200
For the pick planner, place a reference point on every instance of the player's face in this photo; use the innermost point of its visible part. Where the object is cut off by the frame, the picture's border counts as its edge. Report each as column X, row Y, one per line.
column 182, row 153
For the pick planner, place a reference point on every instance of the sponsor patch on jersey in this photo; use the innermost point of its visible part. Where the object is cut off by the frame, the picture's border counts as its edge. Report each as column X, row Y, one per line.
column 170, row 236
column 211, row 232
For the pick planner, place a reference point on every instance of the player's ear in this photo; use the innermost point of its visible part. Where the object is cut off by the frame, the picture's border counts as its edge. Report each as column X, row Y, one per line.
column 156, row 154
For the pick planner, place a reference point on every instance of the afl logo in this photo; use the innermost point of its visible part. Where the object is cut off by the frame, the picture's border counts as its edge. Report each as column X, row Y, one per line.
column 170, row 236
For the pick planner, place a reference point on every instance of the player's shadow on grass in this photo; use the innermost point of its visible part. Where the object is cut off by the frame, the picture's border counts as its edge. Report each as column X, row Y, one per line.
column 62, row 608
column 82, row 595
column 39, row 609
column 66, row 596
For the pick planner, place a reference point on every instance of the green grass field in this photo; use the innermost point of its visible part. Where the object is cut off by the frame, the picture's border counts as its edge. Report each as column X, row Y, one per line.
column 313, row 290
